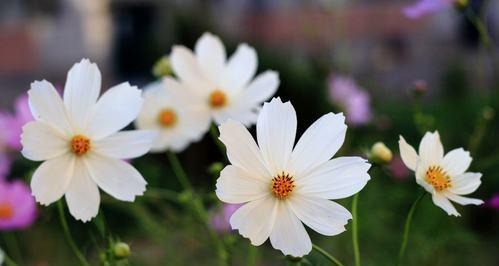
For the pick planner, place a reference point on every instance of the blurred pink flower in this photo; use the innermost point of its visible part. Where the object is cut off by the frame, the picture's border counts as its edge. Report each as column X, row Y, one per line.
column 425, row 7
column 354, row 101
column 220, row 219
column 20, row 118
column 493, row 202
column 398, row 168
column 17, row 206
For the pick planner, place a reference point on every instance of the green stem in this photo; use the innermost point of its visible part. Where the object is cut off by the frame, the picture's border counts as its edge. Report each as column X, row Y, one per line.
column 68, row 236
column 9, row 261
column 327, row 255
column 162, row 194
column 355, row 237
column 407, row 227
column 215, row 134
column 13, row 245
column 179, row 171
column 197, row 206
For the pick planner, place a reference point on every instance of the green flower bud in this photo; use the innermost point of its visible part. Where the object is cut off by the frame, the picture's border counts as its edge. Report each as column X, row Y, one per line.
column 216, row 168
column 121, row 250
column 162, row 67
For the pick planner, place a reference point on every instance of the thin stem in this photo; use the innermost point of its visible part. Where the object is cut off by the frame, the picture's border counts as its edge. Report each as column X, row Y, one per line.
column 197, row 205
column 13, row 245
column 215, row 134
column 9, row 261
column 327, row 255
column 179, row 171
column 68, row 236
column 407, row 227
column 355, row 237
column 162, row 194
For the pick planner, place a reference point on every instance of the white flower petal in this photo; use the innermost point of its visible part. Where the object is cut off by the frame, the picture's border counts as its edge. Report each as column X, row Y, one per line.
column 456, row 162
column 318, row 144
column 466, row 183
column 408, row 154
column 116, row 177
column 82, row 89
column 463, row 200
column 82, row 195
column 126, row 144
column 185, row 66
column 261, row 88
column 46, row 105
column 255, row 219
column 276, row 130
column 242, row 150
column 324, row 216
column 289, row 234
column 235, row 185
column 430, row 148
column 210, row 54
column 117, row 108
column 421, row 168
column 336, row 179
column 441, row 201
column 42, row 142
column 241, row 67
column 51, row 179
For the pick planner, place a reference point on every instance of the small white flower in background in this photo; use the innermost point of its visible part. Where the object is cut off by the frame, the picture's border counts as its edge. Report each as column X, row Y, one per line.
column 78, row 140
column 281, row 186
column 445, row 177
column 226, row 86
column 178, row 117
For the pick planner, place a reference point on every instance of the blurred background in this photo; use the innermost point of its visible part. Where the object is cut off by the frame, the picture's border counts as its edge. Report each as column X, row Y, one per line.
column 410, row 75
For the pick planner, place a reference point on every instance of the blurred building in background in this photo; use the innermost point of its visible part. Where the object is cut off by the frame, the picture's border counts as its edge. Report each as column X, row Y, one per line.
column 370, row 40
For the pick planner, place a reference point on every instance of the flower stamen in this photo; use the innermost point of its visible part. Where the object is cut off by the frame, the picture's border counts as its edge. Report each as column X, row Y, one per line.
column 6, row 211
column 80, row 145
column 438, row 178
column 282, row 185
column 218, row 99
column 167, row 118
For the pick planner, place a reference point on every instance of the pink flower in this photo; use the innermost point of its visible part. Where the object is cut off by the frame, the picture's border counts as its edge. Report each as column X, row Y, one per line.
column 493, row 202
column 220, row 221
column 425, row 7
column 11, row 124
column 354, row 101
column 17, row 206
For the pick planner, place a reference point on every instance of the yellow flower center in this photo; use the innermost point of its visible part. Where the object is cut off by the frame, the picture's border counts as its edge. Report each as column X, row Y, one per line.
column 80, row 145
column 438, row 178
column 282, row 185
column 218, row 99
column 6, row 211
column 167, row 118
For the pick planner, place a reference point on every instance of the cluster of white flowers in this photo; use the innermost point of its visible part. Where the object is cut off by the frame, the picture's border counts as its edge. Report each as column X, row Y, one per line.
column 282, row 185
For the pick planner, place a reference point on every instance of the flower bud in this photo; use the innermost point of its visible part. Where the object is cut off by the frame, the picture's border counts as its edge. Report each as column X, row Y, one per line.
column 216, row 168
column 121, row 250
column 380, row 153
column 419, row 87
column 461, row 4
column 162, row 67
column 488, row 113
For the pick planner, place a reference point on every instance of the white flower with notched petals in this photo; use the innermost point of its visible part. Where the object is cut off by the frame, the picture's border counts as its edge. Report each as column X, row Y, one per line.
column 79, row 142
column 283, row 187
column 445, row 177
column 178, row 117
column 225, row 86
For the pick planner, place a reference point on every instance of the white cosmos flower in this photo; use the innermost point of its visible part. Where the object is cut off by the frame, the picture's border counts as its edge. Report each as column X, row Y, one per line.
column 283, row 187
column 226, row 86
column 79, row 142
column 445, row 177
column 178, row 117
